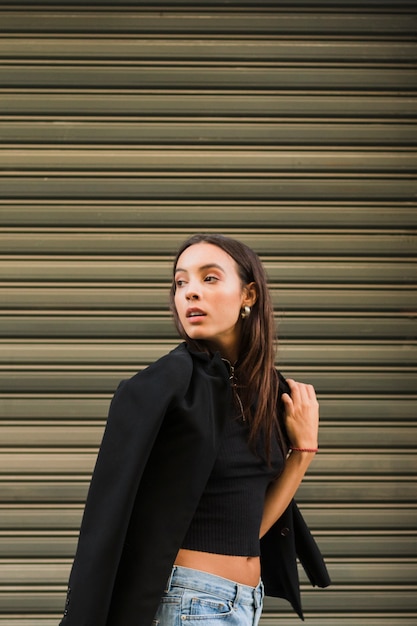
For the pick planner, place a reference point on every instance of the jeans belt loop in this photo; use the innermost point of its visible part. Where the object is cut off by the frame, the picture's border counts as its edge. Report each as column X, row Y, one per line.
column 169, row 581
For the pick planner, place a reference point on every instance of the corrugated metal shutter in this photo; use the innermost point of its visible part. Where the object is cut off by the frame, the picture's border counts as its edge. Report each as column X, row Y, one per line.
column 289, row 125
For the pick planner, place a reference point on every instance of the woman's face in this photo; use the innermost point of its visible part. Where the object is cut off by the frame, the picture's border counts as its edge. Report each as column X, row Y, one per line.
column 209, row 297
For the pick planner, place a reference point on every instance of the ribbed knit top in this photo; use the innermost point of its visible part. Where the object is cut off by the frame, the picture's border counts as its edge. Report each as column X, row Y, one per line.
column 229, row 514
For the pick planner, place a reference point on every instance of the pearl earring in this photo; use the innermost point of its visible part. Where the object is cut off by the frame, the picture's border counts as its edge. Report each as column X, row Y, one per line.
column 244, row 314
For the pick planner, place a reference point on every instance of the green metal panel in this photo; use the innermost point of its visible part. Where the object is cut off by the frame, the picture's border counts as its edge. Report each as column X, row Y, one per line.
column 289, row 125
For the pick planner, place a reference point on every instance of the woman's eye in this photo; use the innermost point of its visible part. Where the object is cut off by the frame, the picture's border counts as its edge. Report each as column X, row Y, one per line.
column 179, row 282
column 211, row 279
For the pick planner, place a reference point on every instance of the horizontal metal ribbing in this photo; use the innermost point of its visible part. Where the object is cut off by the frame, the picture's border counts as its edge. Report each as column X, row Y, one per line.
column 125, row 129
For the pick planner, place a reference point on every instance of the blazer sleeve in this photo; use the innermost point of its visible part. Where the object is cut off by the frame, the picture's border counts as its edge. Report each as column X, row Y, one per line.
column 308, row 551
column 286, row 540
column 135, row 417
column 279, row 561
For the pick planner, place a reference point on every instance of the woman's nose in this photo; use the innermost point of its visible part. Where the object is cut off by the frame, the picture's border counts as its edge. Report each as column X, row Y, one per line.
column 192, row 292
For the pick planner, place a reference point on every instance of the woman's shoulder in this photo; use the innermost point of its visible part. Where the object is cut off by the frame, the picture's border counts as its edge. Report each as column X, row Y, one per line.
column 175, row 366
column 173, row 373
column 178, row 357
column 172, row 370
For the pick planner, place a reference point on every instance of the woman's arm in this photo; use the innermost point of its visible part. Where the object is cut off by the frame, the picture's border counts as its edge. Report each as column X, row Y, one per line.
column 301, row 422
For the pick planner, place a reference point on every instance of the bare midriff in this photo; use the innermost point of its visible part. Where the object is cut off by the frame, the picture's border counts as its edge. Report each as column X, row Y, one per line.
column 245, row 570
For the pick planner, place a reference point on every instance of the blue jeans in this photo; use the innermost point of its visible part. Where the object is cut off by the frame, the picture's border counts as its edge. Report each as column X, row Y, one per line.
column 198, row 598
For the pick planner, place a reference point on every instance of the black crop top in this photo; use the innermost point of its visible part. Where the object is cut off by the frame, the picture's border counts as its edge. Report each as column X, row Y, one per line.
column 229, row 514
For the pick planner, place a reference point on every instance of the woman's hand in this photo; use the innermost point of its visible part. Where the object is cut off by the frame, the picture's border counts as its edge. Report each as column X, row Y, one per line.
column 301, row 415
column 302, row 422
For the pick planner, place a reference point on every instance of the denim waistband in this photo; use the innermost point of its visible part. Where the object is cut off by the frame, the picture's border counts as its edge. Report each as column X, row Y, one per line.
column 222, row 587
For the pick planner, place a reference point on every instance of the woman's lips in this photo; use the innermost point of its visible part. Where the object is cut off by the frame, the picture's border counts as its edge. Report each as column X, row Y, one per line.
column 194, row 314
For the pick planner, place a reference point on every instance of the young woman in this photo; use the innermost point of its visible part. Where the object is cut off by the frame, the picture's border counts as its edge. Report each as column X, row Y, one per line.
column 190, row 510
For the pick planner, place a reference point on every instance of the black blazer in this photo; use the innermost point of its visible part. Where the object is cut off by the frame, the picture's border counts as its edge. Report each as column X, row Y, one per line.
column 157, row 452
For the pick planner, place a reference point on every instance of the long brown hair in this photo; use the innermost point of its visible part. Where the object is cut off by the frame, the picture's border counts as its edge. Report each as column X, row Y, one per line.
column 255, row 369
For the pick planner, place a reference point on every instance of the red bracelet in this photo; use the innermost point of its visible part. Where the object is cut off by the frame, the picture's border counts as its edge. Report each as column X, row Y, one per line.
column 304, row 449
